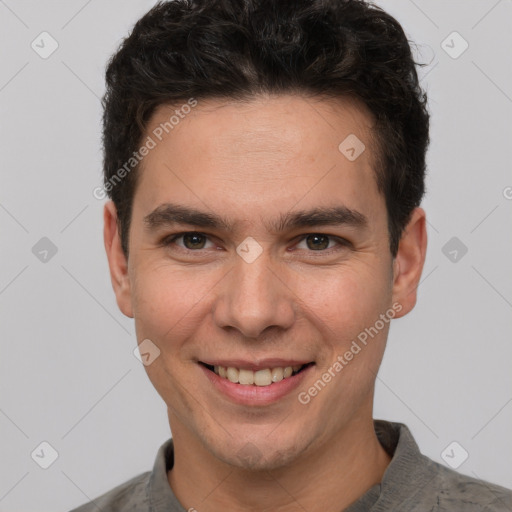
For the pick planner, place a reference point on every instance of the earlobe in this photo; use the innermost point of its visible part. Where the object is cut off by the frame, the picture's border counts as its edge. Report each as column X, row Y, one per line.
column 409, row 261
column 117, row 261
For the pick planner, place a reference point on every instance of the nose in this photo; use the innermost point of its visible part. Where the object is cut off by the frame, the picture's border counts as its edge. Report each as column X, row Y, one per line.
column 255, row 297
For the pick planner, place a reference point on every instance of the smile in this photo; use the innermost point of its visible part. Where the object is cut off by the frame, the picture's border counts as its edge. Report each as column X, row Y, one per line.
column 251, row 383
column 261, row 377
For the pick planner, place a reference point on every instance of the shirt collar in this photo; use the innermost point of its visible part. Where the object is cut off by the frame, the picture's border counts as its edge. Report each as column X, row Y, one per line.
column 407, row 473
column 160, row 495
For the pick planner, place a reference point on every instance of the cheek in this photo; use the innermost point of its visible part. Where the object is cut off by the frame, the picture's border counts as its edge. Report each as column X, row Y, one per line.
column 347, row 299
column 167, row 303
column 168, row 307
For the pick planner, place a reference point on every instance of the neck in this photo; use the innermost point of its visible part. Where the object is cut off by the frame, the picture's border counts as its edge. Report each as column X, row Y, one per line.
column 329, row 477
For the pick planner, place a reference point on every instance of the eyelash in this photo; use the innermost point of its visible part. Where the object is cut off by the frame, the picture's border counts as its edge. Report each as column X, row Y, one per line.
column 170, row 239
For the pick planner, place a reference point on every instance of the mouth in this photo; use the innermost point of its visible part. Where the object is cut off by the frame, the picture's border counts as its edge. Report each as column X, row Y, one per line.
column 260, row 377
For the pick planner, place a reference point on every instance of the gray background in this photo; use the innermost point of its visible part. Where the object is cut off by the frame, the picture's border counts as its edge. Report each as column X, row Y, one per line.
column 67, row 371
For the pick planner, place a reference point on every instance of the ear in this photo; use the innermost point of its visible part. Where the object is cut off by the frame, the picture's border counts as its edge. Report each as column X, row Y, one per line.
column 408, row 263
column 117, row 261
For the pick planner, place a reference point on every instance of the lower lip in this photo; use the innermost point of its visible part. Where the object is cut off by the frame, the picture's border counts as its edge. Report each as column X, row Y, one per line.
column 255, row 395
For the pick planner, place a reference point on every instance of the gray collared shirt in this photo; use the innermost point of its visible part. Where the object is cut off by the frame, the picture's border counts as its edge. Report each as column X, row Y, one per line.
column 411, row 483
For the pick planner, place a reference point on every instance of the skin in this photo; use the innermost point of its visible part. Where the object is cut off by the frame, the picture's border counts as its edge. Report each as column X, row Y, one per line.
column 251, row 162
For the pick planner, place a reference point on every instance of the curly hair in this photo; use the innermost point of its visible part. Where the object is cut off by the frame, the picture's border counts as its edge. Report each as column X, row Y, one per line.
column 236, row 49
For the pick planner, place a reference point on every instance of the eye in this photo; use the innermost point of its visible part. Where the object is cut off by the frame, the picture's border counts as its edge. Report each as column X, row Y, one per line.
column 314, row 242
column 192, row 240
column 319, row 242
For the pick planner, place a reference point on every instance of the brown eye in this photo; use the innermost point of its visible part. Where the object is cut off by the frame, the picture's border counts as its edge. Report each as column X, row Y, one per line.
column 317, row 242
column 188, row 241
column 194, row 240
column 322, row 244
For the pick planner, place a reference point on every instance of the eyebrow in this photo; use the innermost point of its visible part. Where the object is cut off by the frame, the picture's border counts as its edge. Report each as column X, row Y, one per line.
column 169, row 214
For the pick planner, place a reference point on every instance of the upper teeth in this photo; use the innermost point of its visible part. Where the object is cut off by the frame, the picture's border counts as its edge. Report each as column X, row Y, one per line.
column 263, row 377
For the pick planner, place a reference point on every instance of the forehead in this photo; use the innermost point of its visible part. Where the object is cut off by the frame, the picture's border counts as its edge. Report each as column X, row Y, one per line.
column 260, row 154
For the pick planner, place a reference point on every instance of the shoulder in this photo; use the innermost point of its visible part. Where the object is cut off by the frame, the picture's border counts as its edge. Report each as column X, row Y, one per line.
column 415, row 483
column 457, row 492
column 130, row 496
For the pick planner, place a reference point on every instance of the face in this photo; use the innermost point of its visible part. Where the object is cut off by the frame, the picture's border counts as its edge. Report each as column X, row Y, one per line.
column 257, row 245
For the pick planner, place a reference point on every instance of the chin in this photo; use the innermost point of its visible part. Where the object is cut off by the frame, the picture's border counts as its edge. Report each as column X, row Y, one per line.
column 260, row 455
column 250, row 458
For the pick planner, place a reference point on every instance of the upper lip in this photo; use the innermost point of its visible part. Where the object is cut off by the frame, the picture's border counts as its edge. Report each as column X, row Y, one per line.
column 261, row 364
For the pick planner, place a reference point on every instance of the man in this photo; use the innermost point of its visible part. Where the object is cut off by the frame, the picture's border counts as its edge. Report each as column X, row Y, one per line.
column 266, row 162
